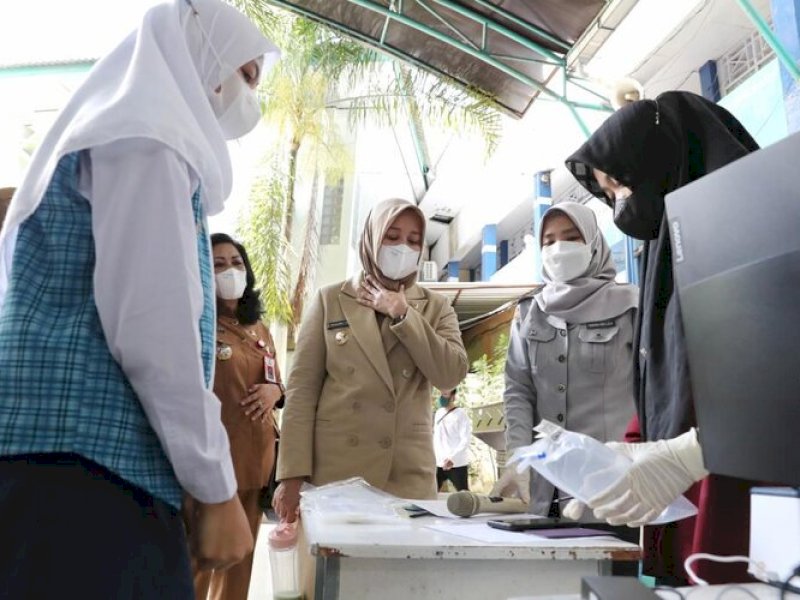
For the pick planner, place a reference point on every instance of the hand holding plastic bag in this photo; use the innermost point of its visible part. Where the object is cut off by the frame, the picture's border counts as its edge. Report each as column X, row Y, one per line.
column 600, row 476
column 660, row 473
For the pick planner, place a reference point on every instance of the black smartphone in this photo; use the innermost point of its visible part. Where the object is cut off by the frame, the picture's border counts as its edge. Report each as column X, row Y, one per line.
column 415, row 511
column 528, row 524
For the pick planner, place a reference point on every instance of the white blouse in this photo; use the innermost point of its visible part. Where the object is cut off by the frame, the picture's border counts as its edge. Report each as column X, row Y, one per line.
column 150, row 298
column 452, row 433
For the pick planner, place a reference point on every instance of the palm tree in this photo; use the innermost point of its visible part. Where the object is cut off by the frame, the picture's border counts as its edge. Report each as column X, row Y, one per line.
column 317, row 69
column 261, row 228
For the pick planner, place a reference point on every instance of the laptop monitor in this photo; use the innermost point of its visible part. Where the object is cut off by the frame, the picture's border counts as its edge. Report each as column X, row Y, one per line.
column 735, row 237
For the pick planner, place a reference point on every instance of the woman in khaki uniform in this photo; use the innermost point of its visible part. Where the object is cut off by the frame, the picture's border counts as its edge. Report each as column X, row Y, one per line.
column 358, row 401
column 247, row 382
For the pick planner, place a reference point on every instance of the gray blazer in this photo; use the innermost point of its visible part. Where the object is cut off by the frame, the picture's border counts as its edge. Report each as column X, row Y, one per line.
column 577, row 376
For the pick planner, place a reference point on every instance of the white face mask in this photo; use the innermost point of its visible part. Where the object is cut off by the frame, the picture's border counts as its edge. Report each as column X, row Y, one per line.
column 565, row 261
column 231, row 283
column 236, row 106
column 397, row 262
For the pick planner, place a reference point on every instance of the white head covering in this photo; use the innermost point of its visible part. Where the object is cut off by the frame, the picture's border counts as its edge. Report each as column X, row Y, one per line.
column 155, row 84
column 594, row 296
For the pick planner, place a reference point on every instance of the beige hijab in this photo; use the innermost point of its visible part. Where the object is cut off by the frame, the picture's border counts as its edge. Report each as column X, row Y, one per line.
column 378, row 222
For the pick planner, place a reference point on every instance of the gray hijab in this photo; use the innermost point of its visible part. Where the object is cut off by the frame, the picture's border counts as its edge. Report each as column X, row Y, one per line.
column 595, row 296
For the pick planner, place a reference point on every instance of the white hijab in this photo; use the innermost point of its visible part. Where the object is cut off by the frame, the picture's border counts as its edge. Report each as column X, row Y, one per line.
column 155, row 84
column 594, row 296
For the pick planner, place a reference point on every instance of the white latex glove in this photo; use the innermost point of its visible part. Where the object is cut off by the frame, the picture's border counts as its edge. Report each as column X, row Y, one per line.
column 575, row 509
column 513, row 484
column 661, row 471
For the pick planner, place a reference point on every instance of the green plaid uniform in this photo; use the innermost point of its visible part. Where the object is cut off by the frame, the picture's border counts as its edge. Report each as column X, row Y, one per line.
column 60, row 388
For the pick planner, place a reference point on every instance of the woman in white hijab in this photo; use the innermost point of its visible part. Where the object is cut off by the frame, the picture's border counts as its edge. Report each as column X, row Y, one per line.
column 107, row 319
column 569, row 357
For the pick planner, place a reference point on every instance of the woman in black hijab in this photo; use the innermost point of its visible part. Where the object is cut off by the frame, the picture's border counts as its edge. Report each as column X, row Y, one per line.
column 641, row 153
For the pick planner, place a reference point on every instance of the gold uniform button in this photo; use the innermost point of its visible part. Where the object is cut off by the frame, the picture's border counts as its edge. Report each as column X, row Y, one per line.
column 352, row 440
column 385, row 442
column 406, row 373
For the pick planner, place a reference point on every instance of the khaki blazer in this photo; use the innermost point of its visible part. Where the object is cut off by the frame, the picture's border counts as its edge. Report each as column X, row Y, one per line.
column 358, row 399
column 240, row 365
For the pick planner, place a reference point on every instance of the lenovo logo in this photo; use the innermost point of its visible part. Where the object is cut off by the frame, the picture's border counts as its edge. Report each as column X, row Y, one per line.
column 677, row 241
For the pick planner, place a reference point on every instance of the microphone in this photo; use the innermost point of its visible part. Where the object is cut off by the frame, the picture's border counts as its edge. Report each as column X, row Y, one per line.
column 466, row 504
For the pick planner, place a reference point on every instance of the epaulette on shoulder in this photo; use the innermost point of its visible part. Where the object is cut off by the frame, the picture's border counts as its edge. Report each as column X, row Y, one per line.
column 523, row 305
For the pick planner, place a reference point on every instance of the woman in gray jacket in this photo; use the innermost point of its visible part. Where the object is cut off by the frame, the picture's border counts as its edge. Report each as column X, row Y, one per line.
column 570, row 354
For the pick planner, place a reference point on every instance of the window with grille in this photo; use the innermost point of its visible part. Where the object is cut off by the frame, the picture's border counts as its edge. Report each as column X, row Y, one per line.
column 737, row 65
column 331, row 220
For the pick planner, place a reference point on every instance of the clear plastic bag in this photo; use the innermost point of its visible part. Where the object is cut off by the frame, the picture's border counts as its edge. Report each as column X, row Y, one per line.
column 352, row 501
column 583, row 467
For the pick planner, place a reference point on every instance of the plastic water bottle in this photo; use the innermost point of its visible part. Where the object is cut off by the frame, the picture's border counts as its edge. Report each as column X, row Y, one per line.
column 284, row 562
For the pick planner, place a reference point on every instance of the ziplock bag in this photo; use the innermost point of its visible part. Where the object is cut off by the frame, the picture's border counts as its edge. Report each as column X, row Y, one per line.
column 352, row 501
column 583, row 467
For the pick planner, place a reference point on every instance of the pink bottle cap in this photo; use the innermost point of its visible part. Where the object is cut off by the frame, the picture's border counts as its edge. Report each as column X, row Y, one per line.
column 283, row 536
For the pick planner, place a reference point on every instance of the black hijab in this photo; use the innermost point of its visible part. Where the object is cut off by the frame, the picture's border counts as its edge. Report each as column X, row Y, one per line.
column 654, row 147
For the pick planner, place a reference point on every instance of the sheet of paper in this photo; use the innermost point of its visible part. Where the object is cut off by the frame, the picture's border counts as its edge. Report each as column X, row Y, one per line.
column 481, row 532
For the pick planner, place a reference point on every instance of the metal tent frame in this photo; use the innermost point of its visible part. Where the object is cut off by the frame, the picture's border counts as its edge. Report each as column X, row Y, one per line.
column 528, row 44
column 478, row 29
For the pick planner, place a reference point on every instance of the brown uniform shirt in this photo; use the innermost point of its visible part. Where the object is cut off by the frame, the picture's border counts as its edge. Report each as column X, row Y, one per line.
column 240, row 365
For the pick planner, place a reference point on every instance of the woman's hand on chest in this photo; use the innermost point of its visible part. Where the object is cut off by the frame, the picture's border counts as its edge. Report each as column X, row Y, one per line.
column 260, row 400
column 373, row 295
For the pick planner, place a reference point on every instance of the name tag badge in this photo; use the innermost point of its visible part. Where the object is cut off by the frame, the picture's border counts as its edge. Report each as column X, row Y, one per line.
column 600, row 325
column 338, row 324
column 270, row 369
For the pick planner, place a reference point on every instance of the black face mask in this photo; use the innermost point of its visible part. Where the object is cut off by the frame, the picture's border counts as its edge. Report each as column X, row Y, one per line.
column 640, row 214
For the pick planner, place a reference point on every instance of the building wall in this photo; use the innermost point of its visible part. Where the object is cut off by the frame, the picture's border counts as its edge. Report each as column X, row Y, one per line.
column 758, row 103
column 30, row 100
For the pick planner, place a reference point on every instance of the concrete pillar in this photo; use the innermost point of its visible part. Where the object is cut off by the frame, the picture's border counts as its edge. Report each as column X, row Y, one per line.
column 488, row 252
column 542, row 198
column 453, row 270
column 631, row 261
column 709, row 82
column 503, row 253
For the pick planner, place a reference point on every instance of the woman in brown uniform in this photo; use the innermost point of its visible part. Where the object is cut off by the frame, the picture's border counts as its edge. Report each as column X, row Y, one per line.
column 247, row 382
